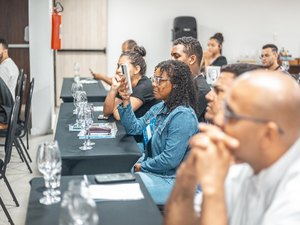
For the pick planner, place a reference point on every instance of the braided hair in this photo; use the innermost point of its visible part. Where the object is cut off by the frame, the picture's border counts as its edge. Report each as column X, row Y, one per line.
column 183, row 92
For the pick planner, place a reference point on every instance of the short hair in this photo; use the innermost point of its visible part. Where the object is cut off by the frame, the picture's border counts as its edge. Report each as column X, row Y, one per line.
column 239, row 68
column 272, row 46
column 136, row 57
column 192, row 47
column 4, row 43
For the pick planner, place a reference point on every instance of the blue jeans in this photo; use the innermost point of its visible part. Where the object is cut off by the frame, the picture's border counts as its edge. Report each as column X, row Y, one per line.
column 158, row 187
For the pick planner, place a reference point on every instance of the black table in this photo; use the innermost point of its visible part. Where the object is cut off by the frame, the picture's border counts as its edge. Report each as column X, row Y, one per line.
column 137, row 212
column 95, row 92
column 107, row 156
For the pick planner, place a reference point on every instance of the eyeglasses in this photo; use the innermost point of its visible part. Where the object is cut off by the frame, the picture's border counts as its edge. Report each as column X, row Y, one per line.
column 229, row 114
column 158, row 80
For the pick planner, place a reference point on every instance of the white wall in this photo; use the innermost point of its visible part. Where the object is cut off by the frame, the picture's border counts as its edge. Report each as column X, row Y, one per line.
column 41, row 65
column 246, row 26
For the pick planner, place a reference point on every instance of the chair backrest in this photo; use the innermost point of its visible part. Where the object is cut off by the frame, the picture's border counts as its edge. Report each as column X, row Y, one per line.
column 25, row 123
column 19, row 83
column 11, row 131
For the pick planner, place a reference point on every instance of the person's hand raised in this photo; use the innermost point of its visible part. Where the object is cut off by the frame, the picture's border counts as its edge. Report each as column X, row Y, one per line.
column 124, row 91
column 116, row 82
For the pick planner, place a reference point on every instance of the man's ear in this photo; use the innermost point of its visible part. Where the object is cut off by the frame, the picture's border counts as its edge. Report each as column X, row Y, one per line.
column 192, row 59
column 271, row 134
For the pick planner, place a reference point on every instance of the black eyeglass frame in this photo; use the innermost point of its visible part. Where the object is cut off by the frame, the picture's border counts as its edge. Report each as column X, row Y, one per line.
column 228, row 114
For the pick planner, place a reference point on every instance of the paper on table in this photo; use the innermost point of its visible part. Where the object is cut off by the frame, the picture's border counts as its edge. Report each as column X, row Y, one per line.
column 116, row 192
column 98, row 108
column 88, row 81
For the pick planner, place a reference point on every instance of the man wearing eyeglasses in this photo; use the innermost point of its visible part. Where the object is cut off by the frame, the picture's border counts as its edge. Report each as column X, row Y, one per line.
column 264, row 133
column 216, row 96
column 269, row 58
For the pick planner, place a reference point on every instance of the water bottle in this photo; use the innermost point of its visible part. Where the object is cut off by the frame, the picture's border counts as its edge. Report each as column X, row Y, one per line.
column 76, row 72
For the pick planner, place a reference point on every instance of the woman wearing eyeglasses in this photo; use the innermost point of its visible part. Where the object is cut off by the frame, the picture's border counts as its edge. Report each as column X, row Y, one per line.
column 166, row 127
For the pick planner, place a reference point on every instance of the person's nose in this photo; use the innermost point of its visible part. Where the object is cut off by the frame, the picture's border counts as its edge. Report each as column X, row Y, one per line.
column 210, row 96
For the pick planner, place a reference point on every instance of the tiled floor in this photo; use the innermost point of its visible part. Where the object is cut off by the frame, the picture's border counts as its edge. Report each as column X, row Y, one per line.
column 19, row 177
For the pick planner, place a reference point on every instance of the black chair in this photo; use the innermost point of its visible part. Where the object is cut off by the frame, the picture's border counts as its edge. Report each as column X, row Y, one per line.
column 20, row 90
column 11, row 131
column 23, row 125
column 6, row 212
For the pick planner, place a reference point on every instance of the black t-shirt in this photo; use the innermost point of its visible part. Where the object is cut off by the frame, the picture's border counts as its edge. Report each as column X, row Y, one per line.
column 143, row 91
column 220, row 61
column 202, row 88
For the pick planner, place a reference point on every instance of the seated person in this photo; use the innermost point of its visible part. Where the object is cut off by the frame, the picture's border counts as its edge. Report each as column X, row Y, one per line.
column 6, row 104
column 9, row 72
column 189, row 51
column 216, row 96
column 269, row 58
column 167, row 126
column 142, row 97
column 213, row 56
column 127, row 45
column 265, row 188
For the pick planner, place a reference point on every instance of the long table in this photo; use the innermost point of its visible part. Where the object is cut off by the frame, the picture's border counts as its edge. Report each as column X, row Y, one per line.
column 95, row 91
column 107, row 156
column 135, row 212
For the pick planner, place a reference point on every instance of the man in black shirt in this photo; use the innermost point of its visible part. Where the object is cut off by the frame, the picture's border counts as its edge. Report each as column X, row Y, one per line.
column 189, row 51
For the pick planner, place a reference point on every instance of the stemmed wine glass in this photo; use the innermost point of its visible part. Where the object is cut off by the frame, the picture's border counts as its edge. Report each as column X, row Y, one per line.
column 89, row 121
column 81, row 207
column 49, row 162
column 76, row 87
column 82, row 121
column 80, row 101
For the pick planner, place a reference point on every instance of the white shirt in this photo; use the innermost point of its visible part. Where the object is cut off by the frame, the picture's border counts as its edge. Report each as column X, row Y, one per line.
column 271, row 197
column 9, row 72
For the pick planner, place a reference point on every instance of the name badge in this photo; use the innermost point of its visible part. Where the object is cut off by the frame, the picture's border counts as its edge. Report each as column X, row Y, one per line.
column 149, row 130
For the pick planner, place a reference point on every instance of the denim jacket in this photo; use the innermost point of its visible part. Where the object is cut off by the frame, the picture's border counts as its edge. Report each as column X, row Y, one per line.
column 169, row 142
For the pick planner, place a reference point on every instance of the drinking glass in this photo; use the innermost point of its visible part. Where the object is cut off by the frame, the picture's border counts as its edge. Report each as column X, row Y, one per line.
column 81, row 207
column 76, row 86
column 76, row 72
column 48, row 162
column 84, row 126
column 89, row 121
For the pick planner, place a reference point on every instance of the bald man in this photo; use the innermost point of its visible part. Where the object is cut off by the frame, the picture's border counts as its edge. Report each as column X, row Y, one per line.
column 261, row 129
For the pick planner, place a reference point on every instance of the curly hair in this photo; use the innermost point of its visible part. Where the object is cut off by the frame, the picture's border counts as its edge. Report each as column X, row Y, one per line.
column 136, row 57
column 183, row 92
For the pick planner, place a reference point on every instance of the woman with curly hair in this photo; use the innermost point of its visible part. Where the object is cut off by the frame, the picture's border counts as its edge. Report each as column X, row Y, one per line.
column 166, row 127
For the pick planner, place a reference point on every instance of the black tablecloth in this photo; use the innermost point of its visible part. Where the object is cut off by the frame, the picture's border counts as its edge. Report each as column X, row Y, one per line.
column 137, row 212
column 107, row 156
column 95, row 92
